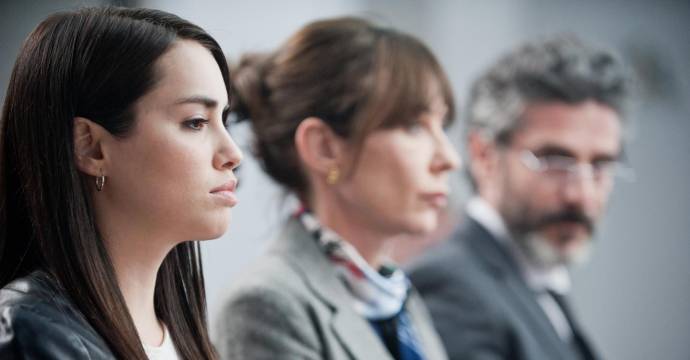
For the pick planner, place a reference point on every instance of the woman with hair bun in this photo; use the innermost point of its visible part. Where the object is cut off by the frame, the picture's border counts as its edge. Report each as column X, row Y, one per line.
column 349, row 117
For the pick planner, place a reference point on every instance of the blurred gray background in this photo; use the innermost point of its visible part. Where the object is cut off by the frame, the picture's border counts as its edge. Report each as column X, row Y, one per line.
column 634, row 296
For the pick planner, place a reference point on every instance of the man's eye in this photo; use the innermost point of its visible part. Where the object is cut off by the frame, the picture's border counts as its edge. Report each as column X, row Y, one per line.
column 558, row 162
column 604, row 165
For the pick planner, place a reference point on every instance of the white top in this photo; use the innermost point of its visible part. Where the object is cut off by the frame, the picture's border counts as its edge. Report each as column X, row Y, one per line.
column 539, row 279
column 165, row 351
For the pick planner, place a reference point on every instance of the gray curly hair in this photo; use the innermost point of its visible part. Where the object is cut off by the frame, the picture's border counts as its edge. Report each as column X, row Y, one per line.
column 560, row 69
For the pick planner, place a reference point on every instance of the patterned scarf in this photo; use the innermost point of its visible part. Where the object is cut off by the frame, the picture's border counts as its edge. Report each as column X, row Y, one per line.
column 377, row 294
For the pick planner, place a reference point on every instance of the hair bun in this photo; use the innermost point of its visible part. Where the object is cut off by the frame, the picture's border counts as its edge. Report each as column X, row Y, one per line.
column 249, row 89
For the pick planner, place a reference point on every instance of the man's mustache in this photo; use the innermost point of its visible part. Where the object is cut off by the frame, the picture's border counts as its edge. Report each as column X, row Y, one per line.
column 568, row 215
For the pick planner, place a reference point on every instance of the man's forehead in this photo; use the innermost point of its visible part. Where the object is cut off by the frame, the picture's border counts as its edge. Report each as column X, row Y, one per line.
column 584, row 127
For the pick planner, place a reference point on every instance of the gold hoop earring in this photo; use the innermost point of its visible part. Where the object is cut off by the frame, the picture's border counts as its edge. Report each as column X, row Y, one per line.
column 100, row 181
column 333, row 176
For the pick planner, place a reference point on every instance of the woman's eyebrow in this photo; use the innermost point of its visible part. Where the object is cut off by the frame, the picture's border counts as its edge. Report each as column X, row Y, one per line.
column 199, row 99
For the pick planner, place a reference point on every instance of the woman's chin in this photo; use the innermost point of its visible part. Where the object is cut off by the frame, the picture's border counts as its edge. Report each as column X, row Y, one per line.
column 423, row 224
column 213, row 230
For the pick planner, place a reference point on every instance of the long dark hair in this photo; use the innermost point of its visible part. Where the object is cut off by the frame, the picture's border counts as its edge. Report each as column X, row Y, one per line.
column 356, row 76
column 94, row 63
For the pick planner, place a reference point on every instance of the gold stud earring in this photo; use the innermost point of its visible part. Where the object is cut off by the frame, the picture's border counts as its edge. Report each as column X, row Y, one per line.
column 333, row 176
column 100, row 181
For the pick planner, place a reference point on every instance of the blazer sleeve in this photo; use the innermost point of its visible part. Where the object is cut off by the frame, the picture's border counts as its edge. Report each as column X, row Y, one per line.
column 28, row 332
column 468, row 327
column 264, row 323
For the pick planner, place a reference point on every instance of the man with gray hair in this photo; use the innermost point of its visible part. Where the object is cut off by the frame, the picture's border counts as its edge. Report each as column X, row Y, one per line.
column 544, row 138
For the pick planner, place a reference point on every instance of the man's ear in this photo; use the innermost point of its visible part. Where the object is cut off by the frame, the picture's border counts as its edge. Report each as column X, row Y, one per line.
column 88, row 146
column 319, row 148
column 482, row 154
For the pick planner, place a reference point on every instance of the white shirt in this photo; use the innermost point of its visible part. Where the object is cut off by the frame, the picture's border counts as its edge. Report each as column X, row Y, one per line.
column 539, row 279
column 165, row 351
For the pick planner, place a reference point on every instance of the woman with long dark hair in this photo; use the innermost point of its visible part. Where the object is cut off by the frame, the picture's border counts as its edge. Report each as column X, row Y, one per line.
column 348, row 116
column 114, row 157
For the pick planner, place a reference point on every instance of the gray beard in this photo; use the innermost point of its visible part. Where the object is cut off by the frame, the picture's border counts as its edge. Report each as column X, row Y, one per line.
column 545, row 255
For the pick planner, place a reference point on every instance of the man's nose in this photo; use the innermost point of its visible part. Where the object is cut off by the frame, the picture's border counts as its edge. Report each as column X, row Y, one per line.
column 580, row 187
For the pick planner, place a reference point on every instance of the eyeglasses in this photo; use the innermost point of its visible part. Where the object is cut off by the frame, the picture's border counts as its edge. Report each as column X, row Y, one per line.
column 565, row 167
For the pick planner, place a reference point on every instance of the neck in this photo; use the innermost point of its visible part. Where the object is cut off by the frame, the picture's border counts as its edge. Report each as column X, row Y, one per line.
column 372, row 244
column 137, row 256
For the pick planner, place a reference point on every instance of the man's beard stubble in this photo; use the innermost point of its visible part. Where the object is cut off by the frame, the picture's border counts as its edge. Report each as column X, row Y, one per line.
column 526, row 229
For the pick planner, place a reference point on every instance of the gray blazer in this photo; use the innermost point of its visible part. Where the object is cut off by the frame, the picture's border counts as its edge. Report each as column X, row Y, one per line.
column 291, row 305
column 482, row 307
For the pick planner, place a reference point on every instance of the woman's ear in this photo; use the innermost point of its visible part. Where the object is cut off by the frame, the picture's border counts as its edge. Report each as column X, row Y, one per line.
column 88, row 146
column 319, row 148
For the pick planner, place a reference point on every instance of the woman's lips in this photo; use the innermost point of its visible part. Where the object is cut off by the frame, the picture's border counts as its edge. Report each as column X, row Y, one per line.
column 226, row 193
column 438, row 200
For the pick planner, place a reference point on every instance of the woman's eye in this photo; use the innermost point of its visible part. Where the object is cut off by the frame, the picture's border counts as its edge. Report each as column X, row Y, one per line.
column 414, row 128
column 195, row 124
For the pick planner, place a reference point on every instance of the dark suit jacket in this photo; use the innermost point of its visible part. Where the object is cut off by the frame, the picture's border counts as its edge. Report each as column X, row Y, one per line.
column 292, row 305
column 480, row 304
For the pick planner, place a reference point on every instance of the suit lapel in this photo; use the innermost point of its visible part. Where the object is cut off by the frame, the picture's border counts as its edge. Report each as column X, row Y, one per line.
column 534, row 315
column 429, row 341
column 354, row 333
column 584, row 345
column 505, row 270
column 358, row 337
column 579, row 338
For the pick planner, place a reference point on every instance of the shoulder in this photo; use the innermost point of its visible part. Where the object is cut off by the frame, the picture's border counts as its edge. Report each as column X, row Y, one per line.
column 33, row 300
column 269, row 311
column 270, row 274
column 274, row 287
column 37, row 320
column 447, row 262
column 461, row 299
column 451, row 276
column 282, row 274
